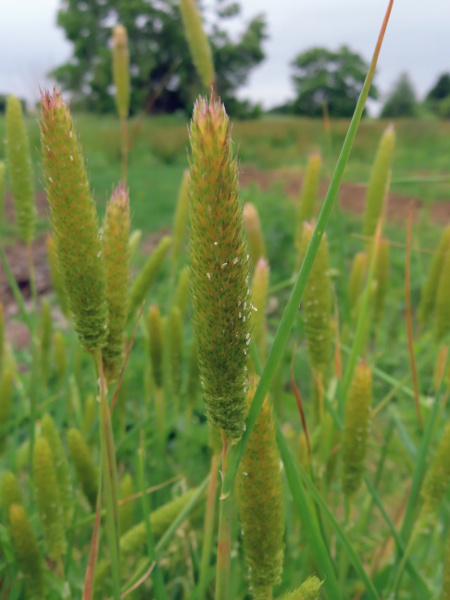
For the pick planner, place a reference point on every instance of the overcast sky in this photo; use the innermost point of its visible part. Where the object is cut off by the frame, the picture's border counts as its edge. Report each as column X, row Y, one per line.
column 417, row 41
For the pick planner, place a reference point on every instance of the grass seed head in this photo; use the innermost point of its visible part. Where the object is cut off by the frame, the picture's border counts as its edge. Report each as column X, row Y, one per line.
column 175, row 339
column 219, row 268
column 198, row 42
column 308, row 196
column 2, row 191
column 20, row 170
column 442, row 306
column 121, row 70
column 6, row 397
column 259, row 300
column 381, row 276
column 74, row 222
column 133, row 242
column 254, row 234
column 46, row 340
column 309, row 590
column 10, row 493
column 60, row 355
column 437, row 479
column 126, row 511
column 357, row 277
column 155, row 340
column 428, row 298
column 84, row 465
column 183, row 294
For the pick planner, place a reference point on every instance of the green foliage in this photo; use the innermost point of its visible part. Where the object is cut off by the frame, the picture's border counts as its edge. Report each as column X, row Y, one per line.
column 180, row 221
column 155, row 336
column 10, row 493
column 126, row 510
column 442, row 305
column 46, row 339
column 198, row 42
column 2, row 191
column 84, row 465
column 401, row 102
column 20, row 169
column 6, row 397
column 428, row 298
column 334, row 78
column 437, row 480
column 175, row 338
column 437, row 98
column 381, row 276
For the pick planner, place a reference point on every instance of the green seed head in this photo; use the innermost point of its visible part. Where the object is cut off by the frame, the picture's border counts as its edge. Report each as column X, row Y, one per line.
column 147, row 276
column 309, row 590
column 52, row 436
column 308, row 196
column 121, row 70
column 116, row 231
column 60, row 355
column 55, row 276
column 317, row 307
column 2, row 337
column 356, row 429
column 133, row 242
column 46, row 340
column 20, row 169
column 198, row 42
column 254, row 234
column 442, row 306
column 357, row 277
column 382, row 279
column 27, row 552
column 126, row 511
column 259, row 301
column 74, row 223
column 428, row 299
column 9, row 493
column 175, row 349
column 219, row 269
column 84, row 465
column 6, row 397
column 2, row 191
column 155, row 336
column 183, row 292
column 379, row 181
column 180, row 221
column 261, row 503
column 48, row 500
column 437, row 479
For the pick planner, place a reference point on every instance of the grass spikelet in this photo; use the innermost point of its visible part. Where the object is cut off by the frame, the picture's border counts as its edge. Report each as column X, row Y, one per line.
column 381, row 277
column 175, row 339
column 261, row 504
column 84, row 465
column 48, row 500
column 437, row 479
column 55, row 276
column 155, row 344
column 254, row 234
column 60, row 355
column 50, row 432
column 309, row 590
column 317, row 308
column 27, row 552
column 442, row 307
column 20, row 169
column 74, row 222
column 259, row 300
column 308, row 196
column 180, row 221
column 46, row 340
column 147, row 276
column 2, row 191
column 356, row 429
column 183, row 294
column 116, row 231
column 379, row 178
column 357, row 276
column 10, row 493
column 6, row 396
column 428, row 298
column 219, row 269
column 126, row 511
column 121, row 70
column 198, row 42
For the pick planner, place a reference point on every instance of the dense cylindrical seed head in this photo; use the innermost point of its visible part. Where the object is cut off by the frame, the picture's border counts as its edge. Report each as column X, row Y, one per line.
column 428, row 298
column 126, row 510
column 60, row 355
column 27, row 552
column 219, row 269
column 317, row 307
column 437, row 480
column 6, row 397
column 198, row 42
column 261, row 505
column 147, row 276
column 50, row 433
column 116, row 231
column 442, row 307
column 260, row 286
column 74, row 222
column 46, row 340
column 121, row 70
column 48, row 500
column 193, row 381
column 84, row 465
column 381, row 277
column 308, row 196
column 20, row 169
column 180, row 221
column 155, row 344
column 356, row 429
column 2, row 191
column 357, row 277
column 133, row 242
column 55, row 276
column 10, row 493
column 183, row 294
column 254, row 234
column 175, row 339
column 309, row 590
column 379, row 181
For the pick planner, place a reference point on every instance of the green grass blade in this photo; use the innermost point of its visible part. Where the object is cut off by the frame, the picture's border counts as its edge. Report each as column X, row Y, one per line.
column 16, row 291
column 291, row 309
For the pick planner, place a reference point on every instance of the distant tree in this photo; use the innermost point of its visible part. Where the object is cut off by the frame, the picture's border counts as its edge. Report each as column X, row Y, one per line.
column 438, row 98
column 401, row 101
column 159, row 54
column 335, row 78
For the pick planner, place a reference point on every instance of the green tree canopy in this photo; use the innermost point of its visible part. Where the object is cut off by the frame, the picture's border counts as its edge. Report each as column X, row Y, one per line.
column 438, row 98
column 401, row 101
column 324, row 76
column 159, row 54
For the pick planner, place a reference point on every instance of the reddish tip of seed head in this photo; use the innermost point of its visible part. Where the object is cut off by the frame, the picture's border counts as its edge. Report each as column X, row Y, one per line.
column 50, row 101
column 120, row 196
